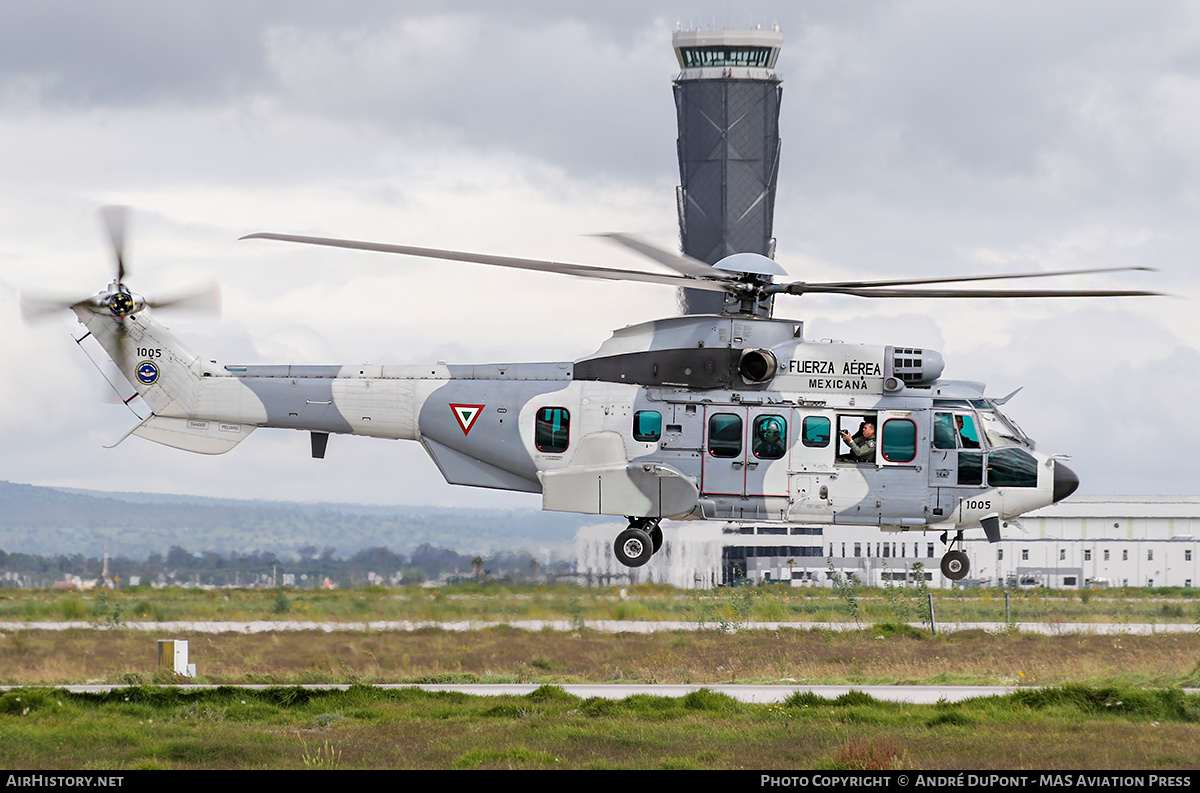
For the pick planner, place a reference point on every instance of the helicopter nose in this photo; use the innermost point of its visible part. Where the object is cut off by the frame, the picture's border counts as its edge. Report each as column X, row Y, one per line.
column 1065, row 482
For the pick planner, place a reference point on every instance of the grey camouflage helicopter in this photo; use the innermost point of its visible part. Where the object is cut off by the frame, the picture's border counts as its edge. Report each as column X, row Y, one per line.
column 730, row 417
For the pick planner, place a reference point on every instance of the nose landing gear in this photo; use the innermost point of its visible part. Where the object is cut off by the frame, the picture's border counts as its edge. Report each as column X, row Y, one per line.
column 639, row 542
column 955, row 564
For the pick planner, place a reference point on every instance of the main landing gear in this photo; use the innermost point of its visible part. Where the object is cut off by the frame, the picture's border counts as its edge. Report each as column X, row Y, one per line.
column 639, row 542
column 955, row 564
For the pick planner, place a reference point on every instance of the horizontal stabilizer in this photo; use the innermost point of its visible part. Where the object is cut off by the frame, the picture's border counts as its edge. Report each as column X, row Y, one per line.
column 203, row 436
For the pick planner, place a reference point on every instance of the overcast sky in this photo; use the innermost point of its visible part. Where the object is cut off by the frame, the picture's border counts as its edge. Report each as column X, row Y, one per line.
column 919, row 138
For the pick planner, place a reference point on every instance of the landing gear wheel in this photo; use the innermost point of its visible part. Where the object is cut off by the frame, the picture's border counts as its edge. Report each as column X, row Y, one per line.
column 656, row 537
column 633, row 547
column 955, row 565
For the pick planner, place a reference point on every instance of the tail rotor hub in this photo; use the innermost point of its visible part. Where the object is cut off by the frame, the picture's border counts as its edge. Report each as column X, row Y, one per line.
column 122, row 304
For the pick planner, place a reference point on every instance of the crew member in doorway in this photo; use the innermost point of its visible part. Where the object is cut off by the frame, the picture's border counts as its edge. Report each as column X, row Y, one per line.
column 862, row 444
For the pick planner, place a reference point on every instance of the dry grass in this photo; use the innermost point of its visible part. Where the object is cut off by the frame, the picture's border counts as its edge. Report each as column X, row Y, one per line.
column 506, row 654
column 870, row 754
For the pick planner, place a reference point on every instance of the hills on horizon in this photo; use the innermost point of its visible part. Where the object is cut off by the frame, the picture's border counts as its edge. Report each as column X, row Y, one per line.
column 50, row 521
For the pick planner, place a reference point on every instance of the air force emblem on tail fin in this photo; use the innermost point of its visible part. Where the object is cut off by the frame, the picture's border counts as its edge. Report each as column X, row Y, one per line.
column 465, row 415
column 147, row 373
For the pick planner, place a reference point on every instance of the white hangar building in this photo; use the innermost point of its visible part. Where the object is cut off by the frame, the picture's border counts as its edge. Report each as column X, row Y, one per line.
column 1141, row 541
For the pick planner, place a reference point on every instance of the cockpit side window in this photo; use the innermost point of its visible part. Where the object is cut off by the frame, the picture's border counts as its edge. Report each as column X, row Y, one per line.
column 970, row 468
column 964, row 423
column 955, row 431
column 1012, row 468
column 944, row 436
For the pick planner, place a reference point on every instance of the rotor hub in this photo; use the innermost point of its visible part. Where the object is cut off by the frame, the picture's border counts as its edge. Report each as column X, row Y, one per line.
column 122, row 304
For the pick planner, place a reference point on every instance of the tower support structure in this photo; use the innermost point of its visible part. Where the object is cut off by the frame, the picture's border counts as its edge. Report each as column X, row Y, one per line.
column 727, row 99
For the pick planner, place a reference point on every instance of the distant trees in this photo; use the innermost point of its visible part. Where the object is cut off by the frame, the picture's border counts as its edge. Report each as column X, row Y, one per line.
column 265, row 568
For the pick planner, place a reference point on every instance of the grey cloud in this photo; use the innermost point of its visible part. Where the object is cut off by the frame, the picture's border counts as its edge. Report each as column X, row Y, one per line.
column 919, row 137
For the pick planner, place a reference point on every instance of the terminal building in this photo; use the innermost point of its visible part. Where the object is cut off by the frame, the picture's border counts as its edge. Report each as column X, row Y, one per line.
column 1085, row 541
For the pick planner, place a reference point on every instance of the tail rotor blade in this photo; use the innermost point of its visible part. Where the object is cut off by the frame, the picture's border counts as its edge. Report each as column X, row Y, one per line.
column 35, row 308
column 116, row 221
column 206, row 299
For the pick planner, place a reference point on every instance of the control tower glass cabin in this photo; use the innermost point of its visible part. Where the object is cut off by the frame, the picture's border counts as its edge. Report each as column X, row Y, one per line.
column 727, row 105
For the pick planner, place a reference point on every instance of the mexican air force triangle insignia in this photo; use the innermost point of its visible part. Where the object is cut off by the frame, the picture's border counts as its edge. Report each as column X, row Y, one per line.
column 465, row 415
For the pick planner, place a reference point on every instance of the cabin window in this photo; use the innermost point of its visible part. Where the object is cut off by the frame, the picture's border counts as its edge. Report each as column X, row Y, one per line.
column 815, row 431
column 1011, row 468
column 647, row 426
column 864, row 432
column 899, row 440
column 552, row 430
column 725, row 435
column 770, row 437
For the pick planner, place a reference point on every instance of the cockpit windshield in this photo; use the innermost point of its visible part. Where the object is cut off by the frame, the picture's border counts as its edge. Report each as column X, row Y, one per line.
column 957, row 427
column 999, row 428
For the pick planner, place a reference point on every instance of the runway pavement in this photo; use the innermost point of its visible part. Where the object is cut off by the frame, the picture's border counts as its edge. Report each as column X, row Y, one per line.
column 606, row 626
column 743, row 693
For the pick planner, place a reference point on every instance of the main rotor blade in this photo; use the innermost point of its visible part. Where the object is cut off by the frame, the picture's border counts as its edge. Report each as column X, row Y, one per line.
column 799, row 289
column 116, row 221
column 680, row 263
column 579, row 270
column 998, row 277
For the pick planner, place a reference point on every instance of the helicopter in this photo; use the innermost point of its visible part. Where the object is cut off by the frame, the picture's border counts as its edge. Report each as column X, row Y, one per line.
column 731, row 417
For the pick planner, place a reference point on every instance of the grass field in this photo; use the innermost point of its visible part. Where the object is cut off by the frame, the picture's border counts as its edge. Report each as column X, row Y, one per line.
column 1074, row 728
column 1086, row 701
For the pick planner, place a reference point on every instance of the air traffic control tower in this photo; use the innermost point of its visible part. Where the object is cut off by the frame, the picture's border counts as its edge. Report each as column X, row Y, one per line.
column 727, row 104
